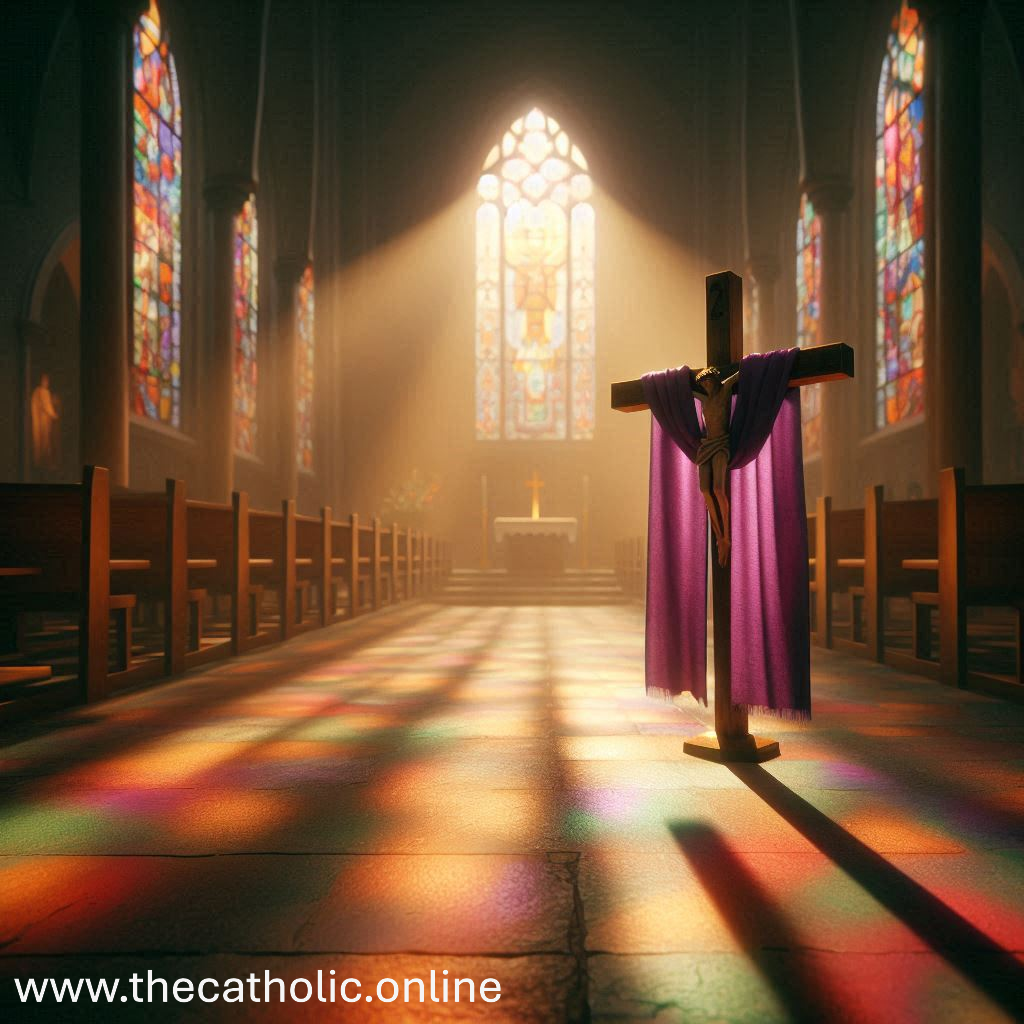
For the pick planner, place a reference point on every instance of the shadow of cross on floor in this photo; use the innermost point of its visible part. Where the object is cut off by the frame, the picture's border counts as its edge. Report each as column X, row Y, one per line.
column 757, row 923
column 975, row 955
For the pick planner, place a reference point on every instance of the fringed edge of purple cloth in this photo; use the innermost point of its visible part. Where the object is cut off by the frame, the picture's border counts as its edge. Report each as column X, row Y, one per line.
column 768, row 565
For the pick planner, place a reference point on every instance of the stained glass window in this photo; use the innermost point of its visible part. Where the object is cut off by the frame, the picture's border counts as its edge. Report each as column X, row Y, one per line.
column 156, row 300
column 808, row 314
column 899, row 224
column 535, row 232
column 246, row 325
column 305, row 352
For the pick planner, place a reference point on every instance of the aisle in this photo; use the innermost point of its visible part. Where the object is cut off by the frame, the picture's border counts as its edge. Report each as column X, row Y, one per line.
column 488, row 791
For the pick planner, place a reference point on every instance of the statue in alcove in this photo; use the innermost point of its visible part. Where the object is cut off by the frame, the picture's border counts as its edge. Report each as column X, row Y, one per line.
column 44, row 408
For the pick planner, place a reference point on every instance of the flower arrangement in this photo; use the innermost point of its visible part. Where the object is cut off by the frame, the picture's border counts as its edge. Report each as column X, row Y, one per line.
column 409, row 501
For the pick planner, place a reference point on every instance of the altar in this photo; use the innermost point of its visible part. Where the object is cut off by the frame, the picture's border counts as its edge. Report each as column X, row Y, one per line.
column 535, row 545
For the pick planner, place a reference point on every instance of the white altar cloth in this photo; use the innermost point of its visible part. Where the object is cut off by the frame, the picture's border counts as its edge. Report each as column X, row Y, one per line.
column 514, row 526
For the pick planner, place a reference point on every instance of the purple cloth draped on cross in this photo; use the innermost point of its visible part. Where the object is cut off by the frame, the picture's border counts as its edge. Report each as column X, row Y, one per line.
column 770, row 616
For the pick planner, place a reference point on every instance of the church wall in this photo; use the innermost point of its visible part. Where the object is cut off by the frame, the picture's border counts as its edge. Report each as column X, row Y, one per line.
column 1002, row 354
column 33, row 228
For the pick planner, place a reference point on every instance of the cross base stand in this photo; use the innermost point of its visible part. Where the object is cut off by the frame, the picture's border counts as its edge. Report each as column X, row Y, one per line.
column 740, row 750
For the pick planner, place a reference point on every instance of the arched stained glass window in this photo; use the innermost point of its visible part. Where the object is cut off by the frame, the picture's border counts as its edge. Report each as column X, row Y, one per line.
column 305, row 351
column 247, row 307
column 156, row 300
column 899, row 223
column 808, row 314
column 535, row 230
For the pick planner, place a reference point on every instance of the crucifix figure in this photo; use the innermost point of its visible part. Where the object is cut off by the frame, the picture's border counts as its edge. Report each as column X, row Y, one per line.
column 715, row 395
column 758, row 607
column 535, row 484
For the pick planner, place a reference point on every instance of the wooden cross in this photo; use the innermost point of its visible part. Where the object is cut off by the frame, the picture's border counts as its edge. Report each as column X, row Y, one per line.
column 731, row 740
column 535, row 484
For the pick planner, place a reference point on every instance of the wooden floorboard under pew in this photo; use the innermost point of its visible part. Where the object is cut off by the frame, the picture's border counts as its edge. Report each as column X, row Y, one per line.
column 148, row 545
column 55, row 539
column 212, row 581
column 980, row 564
column 855, row 554
column 271, row 572
column 909, row 533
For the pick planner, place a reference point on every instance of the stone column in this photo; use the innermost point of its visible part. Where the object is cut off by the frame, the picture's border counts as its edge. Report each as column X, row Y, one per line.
column 831, row 198
column 953, row 136
column 765, row 273
column 288, row 273
column 224, row 201
column 106, row 27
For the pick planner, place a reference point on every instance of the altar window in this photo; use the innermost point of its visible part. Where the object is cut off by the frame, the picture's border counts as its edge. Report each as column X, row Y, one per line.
column 899, row 224
column 156, row 278
column 535, row 233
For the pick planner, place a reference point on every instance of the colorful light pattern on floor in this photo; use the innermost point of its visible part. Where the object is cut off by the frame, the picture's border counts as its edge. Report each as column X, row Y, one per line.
column 493, row 786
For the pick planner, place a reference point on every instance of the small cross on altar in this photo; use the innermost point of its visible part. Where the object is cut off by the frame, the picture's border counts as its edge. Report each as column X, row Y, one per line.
column 731, row 740
column 535, row 484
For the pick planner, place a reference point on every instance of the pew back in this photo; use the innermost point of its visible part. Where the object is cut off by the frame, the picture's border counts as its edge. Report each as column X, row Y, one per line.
column 846, row 539
column 910, row 529
column 993, row 548
column 211, row 542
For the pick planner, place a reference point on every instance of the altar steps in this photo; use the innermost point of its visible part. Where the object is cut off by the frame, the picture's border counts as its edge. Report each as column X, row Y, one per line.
column 498, row 587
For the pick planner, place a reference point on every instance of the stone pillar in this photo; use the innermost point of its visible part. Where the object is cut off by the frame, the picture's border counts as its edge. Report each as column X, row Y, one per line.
column 224, row 201
column 831, row 198
column 765, row 273
column 953, row 135
column 288, row 273
column 106, row 27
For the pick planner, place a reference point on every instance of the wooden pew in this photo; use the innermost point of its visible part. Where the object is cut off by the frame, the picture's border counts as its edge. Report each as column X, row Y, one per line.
column 980, row 564
column 313, row 561
column 377, row 567
column 819, row 571
column 271, row 567
column 855, row 561
column 410, row 565
column 54, row 546
column 359, row 565
column 630, row 557
column 395, row 566
column 73, row 549
column 216, row 573
column 341, row 557
column 908, row 546
column 149, row 564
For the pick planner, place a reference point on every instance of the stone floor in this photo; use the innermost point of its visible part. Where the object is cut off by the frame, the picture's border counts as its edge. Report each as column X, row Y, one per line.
column 489, row 792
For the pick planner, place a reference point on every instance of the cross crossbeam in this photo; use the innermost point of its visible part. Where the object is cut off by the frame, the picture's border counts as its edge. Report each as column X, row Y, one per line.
column 813, row 365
